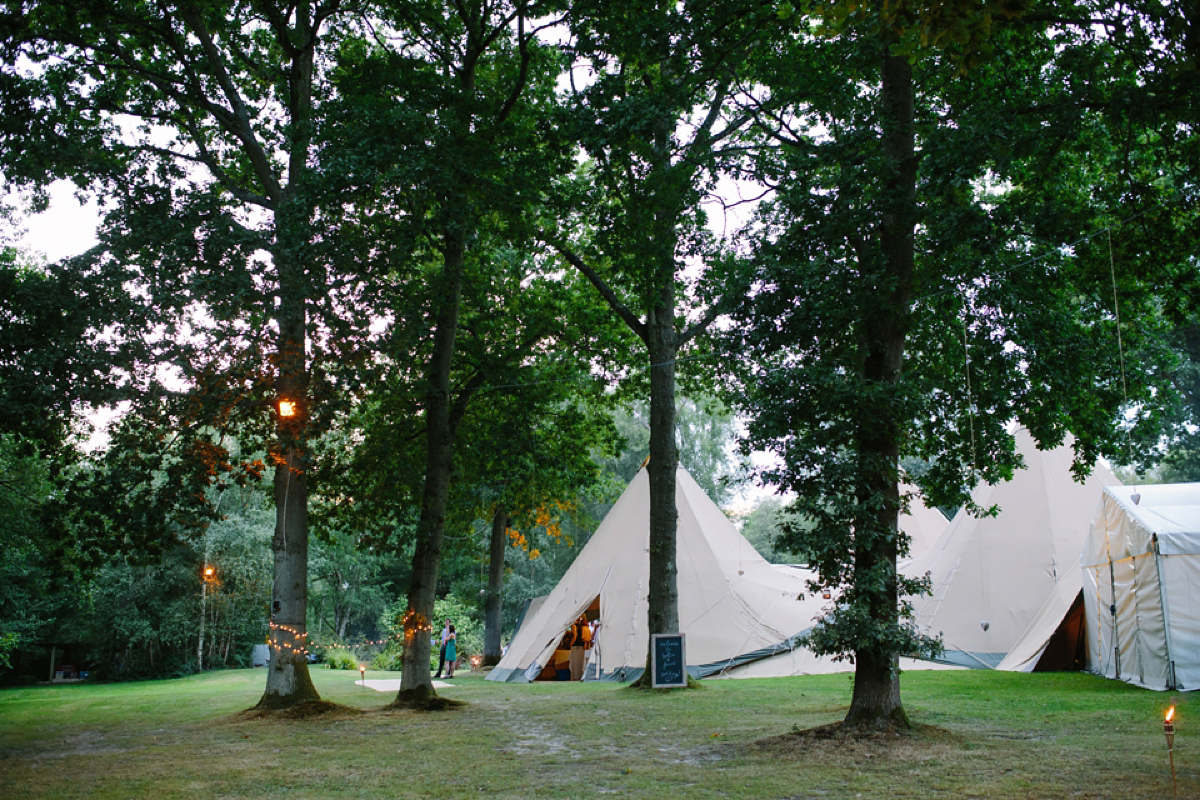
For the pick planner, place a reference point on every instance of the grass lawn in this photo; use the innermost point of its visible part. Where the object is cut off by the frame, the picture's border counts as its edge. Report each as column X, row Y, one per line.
column 980, row 735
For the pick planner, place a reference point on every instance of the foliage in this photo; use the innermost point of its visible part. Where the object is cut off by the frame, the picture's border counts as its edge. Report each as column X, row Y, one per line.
column 1181, row 466
column 136, row 614
column 30, row 604
column 237, row 602
column 467, row 620
column 764, row 526
column 341, row 659
column 143, row 618
column 347, row 592
column 388, row 659
column 52, row 358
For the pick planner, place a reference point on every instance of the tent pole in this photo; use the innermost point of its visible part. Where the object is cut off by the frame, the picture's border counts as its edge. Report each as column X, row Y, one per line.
column 1112, row 597
column 1166, row 614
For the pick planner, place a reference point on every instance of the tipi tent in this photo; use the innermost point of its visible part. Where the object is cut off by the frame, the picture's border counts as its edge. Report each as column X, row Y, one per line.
column 1141, row 586
column 734, row 606
column 924, row 525
column 993, row 575
column 1056, row 639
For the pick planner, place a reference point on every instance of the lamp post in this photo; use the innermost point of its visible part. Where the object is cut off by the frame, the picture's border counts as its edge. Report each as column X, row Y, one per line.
column 209, row 575
column 362, row 674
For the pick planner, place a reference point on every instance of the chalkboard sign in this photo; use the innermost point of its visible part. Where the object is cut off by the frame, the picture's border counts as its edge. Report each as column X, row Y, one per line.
column 668, row 662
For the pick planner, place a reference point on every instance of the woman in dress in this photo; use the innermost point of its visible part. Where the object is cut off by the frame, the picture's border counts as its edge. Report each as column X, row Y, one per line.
column 451, row 652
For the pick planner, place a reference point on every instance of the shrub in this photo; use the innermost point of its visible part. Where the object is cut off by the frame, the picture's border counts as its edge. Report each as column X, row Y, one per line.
column 341, row 659
column 390, row 659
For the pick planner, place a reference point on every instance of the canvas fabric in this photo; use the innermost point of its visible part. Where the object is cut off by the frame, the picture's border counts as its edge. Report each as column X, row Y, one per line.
column 992, row 576
column 1141, row 586
column 734, row 606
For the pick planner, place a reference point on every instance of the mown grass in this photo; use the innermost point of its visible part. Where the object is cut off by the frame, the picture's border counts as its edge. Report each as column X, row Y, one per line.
column 979, row 735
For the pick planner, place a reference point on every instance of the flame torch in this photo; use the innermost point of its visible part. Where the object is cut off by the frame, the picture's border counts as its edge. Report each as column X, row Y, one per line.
column 362, row 674
column 1169, row 730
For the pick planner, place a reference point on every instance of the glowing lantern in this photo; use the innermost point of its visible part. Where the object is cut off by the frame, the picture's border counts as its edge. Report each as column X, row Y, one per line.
column 1169, row 730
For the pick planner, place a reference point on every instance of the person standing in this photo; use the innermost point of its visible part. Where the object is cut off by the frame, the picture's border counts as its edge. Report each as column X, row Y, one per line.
column 581, row 634
column 450, row 651
column 446, row 629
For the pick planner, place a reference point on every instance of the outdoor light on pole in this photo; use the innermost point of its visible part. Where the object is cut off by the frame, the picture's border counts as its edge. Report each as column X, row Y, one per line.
column 287, row 408
column 208, row 575
column 1169, row 730
column 362, row 672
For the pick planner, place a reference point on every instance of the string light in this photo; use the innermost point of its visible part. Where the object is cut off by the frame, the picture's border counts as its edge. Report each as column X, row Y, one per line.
column 414, row 622
column 279, row 644
column 420, row 623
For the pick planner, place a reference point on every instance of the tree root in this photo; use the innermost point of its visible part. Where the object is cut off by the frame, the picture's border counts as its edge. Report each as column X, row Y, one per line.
column 422, row 698
column 305, row 709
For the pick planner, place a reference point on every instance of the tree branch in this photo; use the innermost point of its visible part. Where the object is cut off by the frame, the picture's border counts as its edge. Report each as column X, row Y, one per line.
column 572, row 258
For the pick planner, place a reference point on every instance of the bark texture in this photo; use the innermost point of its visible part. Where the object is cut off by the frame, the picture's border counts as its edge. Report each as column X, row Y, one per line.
column 663, row 605
column 493, row 604
column 288, row 681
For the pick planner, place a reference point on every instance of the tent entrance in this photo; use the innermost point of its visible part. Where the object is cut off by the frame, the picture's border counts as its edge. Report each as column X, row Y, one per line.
column 1067, row 649
column 575, row 651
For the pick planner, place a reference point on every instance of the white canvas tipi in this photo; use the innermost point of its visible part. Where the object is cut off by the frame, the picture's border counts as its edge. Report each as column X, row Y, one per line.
column 924, row 525
column 734, row 606
column 993, row 575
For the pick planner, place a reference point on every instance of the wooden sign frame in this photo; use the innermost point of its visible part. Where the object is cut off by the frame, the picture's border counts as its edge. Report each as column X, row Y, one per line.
column 668, row 661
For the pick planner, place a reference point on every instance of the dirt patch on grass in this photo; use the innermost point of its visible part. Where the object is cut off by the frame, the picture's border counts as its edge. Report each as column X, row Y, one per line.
column 434, row 703
column 309, row 709
column 835, row 742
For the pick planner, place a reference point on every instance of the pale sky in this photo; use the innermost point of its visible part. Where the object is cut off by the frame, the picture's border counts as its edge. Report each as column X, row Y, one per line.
column 65, row 229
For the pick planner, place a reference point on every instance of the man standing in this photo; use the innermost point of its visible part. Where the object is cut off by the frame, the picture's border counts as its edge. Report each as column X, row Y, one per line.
column 442, row 652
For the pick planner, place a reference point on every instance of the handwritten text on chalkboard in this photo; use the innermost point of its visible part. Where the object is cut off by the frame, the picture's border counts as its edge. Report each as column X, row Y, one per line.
column 668, row 662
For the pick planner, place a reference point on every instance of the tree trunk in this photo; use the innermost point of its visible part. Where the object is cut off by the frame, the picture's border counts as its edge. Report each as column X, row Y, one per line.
column 415, row 683
column 663, row 591
column 495, row 591
column 288, row 681
column 876, row 698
